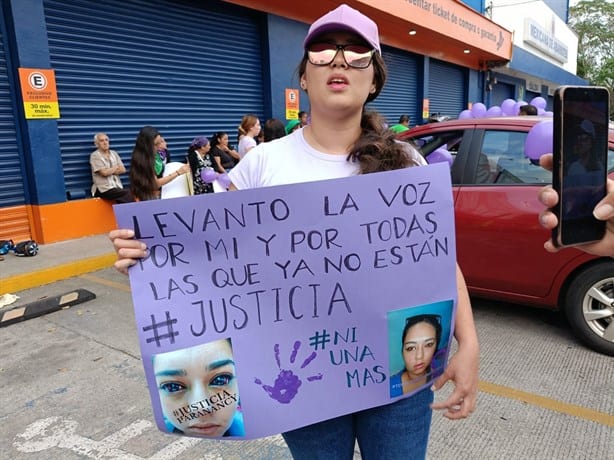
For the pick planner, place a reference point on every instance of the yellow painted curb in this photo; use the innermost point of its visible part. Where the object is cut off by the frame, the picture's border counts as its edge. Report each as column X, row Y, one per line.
column 59, row 272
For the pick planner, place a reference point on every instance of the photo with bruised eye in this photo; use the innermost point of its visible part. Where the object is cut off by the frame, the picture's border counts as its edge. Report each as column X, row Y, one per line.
column 198, row 390
column 418, row 346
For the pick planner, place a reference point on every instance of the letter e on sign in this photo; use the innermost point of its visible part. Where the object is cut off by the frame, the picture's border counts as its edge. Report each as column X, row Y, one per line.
column 37, row 80
column 292, row 103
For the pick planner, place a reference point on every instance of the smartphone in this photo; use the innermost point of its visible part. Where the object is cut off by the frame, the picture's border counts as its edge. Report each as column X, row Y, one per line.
column 580, row 166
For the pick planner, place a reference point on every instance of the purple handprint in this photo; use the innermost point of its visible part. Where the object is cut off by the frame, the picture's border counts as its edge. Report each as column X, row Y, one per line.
column 287, row 383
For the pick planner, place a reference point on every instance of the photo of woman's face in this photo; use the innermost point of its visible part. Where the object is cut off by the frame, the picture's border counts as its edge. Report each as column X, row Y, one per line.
column 198, row 388
column 419, row 346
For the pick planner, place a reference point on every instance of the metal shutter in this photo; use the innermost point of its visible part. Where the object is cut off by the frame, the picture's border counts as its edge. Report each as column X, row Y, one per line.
column 186, row 67
column 14, row 221
column 11, row 177
column 447, row 88
column 500, row 92
column 530, row 95
column 400, row 93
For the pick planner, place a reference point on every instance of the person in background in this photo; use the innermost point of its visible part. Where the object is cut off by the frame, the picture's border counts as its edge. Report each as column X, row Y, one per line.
column 527, row 109
column 292, row 126
column 260, row 137
column 402, row 125
column 304, row 118
column 200, row 159
column 224, row 155
column 273, row 129
column 149, row 156
column 583, row 161
column 248, row 130
column 603, row 211
column 161, row 157
column 106, row 166
column 342, row 140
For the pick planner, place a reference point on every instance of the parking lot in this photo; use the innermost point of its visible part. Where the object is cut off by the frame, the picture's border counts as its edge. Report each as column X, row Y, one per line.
column 73, row 388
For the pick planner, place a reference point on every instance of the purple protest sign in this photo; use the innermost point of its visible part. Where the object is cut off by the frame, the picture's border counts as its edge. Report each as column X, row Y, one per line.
column 264, row 310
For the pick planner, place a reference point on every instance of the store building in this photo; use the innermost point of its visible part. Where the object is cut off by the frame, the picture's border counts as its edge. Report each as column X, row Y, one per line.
column 189, row 68
column 545, row 51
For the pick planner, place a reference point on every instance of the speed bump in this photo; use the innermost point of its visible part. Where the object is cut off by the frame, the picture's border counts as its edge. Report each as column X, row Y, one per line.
column 44, row 306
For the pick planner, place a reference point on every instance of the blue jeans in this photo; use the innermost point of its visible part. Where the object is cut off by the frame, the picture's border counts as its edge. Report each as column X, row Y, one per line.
column 395, row 431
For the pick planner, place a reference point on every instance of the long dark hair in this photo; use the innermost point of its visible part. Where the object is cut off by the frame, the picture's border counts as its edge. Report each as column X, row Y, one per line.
column 376, row 149
column 142, row 172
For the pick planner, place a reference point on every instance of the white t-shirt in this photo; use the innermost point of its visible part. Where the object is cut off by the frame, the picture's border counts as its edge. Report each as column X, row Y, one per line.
column 245, row 143
column 291, row 160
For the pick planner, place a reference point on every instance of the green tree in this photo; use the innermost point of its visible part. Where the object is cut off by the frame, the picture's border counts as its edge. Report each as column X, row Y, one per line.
column 593, row 22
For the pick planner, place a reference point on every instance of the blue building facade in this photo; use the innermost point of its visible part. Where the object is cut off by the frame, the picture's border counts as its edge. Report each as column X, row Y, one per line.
column 190, row 68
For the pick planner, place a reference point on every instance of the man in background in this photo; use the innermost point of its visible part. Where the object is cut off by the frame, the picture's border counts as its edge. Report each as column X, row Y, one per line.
column 402, row 125
column 106, row 167
column 527, row 109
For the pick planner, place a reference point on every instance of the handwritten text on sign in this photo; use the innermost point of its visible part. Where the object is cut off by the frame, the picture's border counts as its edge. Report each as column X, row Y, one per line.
column 300, row 289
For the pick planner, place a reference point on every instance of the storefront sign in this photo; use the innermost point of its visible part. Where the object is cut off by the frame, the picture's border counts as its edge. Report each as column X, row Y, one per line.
column 458, row 21
column 540, row 38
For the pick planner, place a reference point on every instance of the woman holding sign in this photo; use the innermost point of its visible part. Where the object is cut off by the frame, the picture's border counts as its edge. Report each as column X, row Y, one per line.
column 342, row 69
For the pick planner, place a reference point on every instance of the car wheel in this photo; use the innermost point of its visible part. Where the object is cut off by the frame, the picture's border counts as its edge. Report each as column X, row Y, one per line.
column 589, row 307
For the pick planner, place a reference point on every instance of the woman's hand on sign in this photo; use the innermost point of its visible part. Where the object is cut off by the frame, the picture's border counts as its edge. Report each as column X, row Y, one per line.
column 127, row 248
column 463, row 371
column 464, row 365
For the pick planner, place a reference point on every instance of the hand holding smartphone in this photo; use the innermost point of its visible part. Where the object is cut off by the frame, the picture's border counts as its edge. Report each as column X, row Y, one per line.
column 579, row 172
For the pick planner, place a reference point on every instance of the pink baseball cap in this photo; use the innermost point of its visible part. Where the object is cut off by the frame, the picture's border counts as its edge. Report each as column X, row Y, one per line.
column 347, row 19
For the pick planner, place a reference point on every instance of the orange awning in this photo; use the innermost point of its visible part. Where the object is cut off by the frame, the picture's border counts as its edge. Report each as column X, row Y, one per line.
column 447, row 30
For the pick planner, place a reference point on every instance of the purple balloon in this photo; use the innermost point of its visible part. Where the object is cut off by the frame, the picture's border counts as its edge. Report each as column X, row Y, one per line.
column 439, row 156
column 548, row 113
column 478, row 110
column 465, row 114
column 224, row 180
column 539, row 102
column 494, row 111
column 539, row 140
column 508, row 106
column 208, row 175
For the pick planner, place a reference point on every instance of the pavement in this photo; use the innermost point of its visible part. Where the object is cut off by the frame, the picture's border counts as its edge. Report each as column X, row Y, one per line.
column 542, row 394
column 55, row 262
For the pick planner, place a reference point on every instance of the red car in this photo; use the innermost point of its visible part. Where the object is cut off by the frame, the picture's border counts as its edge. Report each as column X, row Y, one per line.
column 499, row 240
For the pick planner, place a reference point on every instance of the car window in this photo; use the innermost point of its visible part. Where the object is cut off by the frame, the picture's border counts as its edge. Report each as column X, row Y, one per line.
column 610, row 160
column 432, row 145
column 502, row 161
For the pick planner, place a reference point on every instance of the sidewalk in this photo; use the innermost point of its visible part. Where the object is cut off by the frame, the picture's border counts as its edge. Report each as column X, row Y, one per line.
column 55, row 261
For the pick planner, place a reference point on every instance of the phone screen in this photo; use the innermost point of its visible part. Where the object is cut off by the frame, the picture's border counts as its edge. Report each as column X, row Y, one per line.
column 582, row 140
